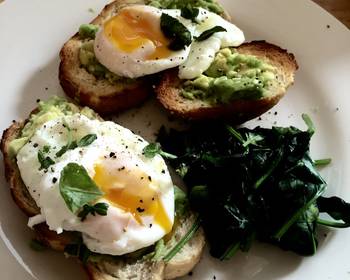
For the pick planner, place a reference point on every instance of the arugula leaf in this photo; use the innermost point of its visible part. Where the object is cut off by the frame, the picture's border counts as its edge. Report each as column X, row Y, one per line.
column 208, row 33
column 45, row 161
column 77, row 188
column 176, row 31
column 152, row 149
column 190, row 12
column 98, row 208
column 87, row 140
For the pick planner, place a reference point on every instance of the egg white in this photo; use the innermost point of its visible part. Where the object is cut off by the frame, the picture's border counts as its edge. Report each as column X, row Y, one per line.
column 202, row 53
column 192, row 60
column 117, row 233
column 135, row 64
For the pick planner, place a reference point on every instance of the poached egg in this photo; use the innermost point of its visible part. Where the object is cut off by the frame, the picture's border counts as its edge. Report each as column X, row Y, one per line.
column 138, row 190
column 131, row 43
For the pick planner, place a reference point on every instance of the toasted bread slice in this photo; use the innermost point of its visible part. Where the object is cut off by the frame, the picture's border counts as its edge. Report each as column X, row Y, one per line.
column 99, row 94
column 118, row 268
column 168, row 91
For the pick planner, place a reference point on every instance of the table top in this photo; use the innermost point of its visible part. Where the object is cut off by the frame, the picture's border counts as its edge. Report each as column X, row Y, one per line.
column 339, row 8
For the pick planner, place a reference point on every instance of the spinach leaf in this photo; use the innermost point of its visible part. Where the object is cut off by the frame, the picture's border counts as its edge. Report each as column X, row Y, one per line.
column 262, row 183
column 322, row 162
column 301, row 236
column 208, row 33
column 77, row 188
column 176, row 31
column 335, row 207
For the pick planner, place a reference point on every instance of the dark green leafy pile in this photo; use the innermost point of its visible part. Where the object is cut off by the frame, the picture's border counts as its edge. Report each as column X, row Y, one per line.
column 253, row 184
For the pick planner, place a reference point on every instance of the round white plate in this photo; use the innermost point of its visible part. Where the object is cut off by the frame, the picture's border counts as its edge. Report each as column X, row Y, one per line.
column 31, row 35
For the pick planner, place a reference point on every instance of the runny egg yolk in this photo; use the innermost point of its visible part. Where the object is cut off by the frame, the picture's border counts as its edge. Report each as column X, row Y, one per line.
column 130, row 190
column 129, row 31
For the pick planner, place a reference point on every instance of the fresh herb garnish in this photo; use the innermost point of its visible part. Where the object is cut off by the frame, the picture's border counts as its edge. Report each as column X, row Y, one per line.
column 190, row 12
column 208, row 33
column 262, row 183
column 151, row 150
column 46, row 149
column 176, row 31
column 77, row 188
column 71, row 145
column 45, row 161
column 87, row 140
column 98, row 208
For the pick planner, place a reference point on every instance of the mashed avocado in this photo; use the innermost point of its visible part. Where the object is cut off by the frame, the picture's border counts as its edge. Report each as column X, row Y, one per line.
column 54, row 108
column 210, row 5
column 232, row 76
column 89, row 61
column 88, row 31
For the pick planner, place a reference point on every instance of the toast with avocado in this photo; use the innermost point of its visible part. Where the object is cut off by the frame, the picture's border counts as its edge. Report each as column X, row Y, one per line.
column 148, row 264
column 91, row 84
column 241, row 84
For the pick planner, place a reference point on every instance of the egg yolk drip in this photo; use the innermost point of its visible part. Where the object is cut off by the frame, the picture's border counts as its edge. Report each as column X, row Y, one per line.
column 130, row 31
column 130, row 190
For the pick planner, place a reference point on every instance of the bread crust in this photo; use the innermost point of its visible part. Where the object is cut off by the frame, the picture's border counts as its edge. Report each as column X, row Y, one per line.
column 99, row 94
column 238, row 111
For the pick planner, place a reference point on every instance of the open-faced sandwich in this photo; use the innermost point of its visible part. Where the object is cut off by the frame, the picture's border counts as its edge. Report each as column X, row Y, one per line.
column 93, row 190
column 125, row 54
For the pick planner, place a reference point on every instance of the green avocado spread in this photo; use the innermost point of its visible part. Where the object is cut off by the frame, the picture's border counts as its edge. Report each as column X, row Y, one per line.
column 210, row 5
column 48, row 110
column 232, row 76
column 89, row 61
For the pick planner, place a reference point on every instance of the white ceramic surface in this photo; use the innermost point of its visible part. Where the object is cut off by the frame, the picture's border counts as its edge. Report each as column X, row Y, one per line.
column 31, row 35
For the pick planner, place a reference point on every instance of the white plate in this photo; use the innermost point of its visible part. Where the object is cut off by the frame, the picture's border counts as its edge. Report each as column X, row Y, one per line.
column 31, row 35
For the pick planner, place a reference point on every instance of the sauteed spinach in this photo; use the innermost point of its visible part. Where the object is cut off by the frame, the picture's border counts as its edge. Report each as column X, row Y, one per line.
column 249, row 184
